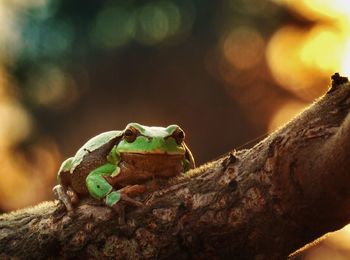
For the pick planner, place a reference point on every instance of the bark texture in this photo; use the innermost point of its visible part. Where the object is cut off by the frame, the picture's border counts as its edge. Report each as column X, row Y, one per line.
column 260, row 203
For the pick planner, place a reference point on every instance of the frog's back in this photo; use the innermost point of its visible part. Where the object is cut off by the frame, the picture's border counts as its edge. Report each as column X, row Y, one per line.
column 90, row 156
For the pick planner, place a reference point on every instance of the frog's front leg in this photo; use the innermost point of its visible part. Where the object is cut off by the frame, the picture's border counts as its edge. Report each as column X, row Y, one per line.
column 100, row 188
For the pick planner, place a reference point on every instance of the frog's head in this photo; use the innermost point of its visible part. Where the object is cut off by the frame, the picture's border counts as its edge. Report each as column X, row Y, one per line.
column 142, row 139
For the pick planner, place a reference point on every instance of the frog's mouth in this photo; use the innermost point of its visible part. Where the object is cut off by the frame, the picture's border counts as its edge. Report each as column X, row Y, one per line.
column 152, row 161
column 153, row 153
column 135, row 156
column 136, row 168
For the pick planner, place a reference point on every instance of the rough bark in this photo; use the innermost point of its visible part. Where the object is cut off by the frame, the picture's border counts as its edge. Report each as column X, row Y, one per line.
column 260, row 203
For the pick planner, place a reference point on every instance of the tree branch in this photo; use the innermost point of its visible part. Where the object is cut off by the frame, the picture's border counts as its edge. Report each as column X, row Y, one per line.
column 261, row 203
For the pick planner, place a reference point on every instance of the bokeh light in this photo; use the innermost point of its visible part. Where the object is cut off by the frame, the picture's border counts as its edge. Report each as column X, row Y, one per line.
column 49, row 86
column 149, row 24
column 340, row 239
column 285, row 113
column 243, row 48
column 114, row 27
column 16, row 123
column 21, row 172
column 25, row 172
column 153, row 24
column 45, row 39
column 10, row 41
column 158, row 21
column 294, row 68
column 297, row 56
column 320, row 9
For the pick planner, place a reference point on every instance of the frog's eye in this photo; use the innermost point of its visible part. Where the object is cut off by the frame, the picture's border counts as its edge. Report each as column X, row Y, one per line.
column 178, row 135
column 130, row 134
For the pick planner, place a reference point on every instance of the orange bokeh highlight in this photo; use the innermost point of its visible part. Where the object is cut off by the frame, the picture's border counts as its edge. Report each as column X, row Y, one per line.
column 298, row 60
column 243, row 48
column 319, row 9
column 27, row 174
column 302, row 59
column 285, row 113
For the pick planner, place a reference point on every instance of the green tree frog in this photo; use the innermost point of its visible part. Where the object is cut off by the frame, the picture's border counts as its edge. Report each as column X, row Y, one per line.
column 112, row 166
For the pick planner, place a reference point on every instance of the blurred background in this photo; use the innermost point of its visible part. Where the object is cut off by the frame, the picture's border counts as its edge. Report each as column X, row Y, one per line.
column 228, row 72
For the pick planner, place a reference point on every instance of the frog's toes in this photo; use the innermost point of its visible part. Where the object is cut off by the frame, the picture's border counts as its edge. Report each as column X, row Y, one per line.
column 72, row 196
column 61, row 194
column 113, row 198
column 118, row 200
column 130, row 201
column 133, row 190
column 120, row 210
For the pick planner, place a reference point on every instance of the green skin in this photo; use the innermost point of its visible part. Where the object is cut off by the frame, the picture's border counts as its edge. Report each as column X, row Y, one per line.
column 145, row 141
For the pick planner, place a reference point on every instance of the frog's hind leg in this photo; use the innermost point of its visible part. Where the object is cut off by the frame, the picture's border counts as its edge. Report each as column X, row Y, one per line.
column 72, row 195
column 62, row 195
